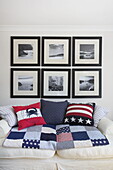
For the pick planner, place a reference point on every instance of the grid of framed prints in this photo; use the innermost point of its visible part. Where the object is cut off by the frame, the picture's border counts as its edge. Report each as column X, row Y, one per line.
column 56, row 73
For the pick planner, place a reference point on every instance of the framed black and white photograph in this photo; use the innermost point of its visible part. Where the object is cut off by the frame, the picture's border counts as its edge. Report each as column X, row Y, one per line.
column 55, row 83
column 25, row 51
column 56, row 51
column 25, row 83
column 87, row 51
column 86, row 83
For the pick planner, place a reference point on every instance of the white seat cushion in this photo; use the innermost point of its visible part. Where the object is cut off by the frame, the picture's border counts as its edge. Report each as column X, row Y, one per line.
column 4, row 128
column 25, row 153
column 89, row 152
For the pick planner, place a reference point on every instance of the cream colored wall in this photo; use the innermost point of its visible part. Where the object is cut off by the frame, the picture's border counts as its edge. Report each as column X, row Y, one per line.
column 107, row 60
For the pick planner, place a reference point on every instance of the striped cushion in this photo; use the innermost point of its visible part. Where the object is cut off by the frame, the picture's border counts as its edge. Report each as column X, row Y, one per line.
column 29, row 115
column 7, row 113
column 99, row 113
column 80, row 114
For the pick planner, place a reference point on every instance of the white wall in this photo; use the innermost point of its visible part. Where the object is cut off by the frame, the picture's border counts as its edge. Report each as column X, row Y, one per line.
column 107, row 60
column 56, row 12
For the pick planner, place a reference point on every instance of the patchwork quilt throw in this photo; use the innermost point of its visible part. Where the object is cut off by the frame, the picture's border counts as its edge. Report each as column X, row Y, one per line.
column 55, row 137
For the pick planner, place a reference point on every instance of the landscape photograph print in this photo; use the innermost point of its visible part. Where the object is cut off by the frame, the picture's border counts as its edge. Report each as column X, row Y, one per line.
column 56, row 51
column 55, row 83
column 87, row 51
column 25, row 82
column 86, row 83
column 25, row 51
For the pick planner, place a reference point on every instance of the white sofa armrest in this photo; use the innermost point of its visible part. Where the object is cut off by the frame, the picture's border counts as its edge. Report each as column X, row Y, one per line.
column 4, row 128
column 106, row 126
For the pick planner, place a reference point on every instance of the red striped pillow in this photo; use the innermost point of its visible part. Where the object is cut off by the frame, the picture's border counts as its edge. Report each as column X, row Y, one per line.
column 80, row 114
column 29, row 115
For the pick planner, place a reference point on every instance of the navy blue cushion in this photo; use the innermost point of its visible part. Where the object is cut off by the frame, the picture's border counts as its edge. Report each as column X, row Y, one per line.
column 53, row 112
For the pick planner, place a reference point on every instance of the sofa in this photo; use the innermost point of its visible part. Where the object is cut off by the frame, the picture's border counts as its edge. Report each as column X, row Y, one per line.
column 15, row 158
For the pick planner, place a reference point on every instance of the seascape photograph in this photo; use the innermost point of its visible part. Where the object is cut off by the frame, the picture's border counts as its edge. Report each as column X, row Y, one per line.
column 25, row 51
column 86, row 51
column 86, row 83
column 56, row 51
column 25, row 83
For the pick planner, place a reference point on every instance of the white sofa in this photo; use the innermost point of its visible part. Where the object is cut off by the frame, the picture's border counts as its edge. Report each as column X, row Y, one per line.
column 96, row 158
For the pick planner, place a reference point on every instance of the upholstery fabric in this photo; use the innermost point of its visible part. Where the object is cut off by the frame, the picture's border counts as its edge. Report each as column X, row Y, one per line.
column 4, row 128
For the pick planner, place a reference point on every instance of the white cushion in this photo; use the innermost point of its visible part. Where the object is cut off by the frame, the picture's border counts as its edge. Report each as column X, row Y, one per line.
column 7, row 113
column 96, row 152
column 4, row 128
column 25, row 153
column 99, row 113
column 106, row 126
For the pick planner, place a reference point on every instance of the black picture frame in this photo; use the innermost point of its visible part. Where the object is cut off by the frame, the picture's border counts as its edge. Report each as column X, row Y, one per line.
column 25, row 50
column 56, row 51
column 55, row 83
column 87, row 51
column 24, row 83
column 86, row 83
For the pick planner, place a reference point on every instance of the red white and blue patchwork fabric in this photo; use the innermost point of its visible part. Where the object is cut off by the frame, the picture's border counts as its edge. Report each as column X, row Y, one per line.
column 69, row 136
column 55, row 137
column 80, row 114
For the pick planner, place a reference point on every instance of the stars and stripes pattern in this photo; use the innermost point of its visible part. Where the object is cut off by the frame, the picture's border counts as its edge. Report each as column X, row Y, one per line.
column 80, row 114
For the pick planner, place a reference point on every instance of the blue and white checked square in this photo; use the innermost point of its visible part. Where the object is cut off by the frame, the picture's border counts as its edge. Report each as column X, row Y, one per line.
column 90, row 128
column 49, row 145
column 16, row 135
column 95, row 135
column 80, row 136
column 34, row 135
column 34, row 128
column 77, row 128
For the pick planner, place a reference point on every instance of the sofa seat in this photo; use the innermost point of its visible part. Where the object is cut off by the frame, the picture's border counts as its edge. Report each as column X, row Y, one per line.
column 100, row 157
column 106, row 126
column 6, row 152
column 55, row 163
column 25, row 153
column 96, row 152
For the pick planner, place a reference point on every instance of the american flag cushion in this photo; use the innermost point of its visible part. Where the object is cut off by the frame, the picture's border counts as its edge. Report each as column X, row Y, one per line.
column 80, row 114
